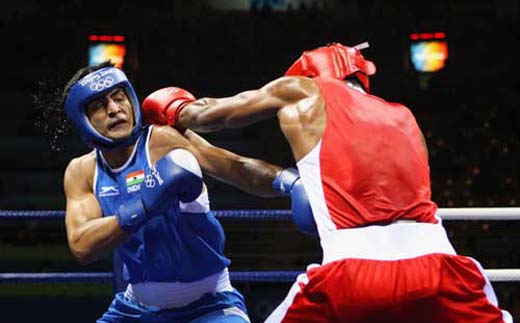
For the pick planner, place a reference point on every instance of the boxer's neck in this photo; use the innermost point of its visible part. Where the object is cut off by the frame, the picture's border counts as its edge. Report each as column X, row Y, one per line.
column 118, row 157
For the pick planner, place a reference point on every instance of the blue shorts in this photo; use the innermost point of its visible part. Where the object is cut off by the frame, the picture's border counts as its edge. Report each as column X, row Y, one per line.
column 226, row 307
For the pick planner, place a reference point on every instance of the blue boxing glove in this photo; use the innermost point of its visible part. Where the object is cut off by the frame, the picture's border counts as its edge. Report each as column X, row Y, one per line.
column 288, row 182
column 176, row 176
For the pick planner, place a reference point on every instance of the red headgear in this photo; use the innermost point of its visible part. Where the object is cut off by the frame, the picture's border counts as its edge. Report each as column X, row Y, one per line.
column 335, row 61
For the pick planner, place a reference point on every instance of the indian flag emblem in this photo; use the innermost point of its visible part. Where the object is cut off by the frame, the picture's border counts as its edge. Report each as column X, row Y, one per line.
column 134, row 178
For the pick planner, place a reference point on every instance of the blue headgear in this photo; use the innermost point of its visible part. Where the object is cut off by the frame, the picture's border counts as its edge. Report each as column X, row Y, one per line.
column 92, row 86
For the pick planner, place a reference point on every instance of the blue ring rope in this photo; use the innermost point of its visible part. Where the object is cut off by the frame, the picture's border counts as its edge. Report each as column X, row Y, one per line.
column 221, row 214
column 15, row 278
column 107, row 277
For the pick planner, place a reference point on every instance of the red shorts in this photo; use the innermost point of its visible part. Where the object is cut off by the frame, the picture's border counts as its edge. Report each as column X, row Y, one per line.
column 429, row 288
column 402, row 272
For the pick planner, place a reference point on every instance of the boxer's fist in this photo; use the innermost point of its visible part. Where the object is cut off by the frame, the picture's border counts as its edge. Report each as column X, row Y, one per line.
column 287, row 182
column 163, row 106
column 175, row 177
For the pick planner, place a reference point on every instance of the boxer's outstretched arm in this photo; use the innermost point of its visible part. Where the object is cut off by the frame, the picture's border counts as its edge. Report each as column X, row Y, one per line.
column 251, row 175
column 89, row 234
column 245, row 108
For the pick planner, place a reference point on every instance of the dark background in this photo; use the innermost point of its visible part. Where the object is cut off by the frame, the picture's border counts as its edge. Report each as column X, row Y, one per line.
column 469, row 113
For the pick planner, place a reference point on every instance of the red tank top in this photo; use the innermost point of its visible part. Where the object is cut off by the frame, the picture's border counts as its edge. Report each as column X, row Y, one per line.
column 373, row 165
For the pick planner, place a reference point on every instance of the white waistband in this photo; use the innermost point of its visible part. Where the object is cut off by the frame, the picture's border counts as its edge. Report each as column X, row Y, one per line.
column 177, row 294
column 390, row 242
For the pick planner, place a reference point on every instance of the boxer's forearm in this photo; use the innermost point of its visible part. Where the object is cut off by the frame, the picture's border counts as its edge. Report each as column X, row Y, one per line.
column 254, row 176
column 95, row 238
column 251, row 175
column 239, row 111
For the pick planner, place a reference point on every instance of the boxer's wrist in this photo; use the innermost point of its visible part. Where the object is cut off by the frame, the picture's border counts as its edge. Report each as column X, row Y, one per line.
column 285, row 179
column 131, row 215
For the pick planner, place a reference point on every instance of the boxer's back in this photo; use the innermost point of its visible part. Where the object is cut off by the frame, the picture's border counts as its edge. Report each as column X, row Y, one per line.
column 370, row 166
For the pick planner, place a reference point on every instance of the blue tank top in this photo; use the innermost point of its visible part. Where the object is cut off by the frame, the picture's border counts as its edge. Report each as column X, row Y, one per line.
column 185, row 244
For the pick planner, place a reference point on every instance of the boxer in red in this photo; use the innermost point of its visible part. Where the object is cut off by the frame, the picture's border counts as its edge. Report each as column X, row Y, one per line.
column 363, row 163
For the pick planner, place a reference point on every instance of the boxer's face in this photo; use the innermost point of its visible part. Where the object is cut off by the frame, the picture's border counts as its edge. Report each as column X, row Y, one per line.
column 112, row 114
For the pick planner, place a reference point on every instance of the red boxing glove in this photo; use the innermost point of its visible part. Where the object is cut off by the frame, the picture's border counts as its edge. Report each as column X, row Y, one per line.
column 164, row 106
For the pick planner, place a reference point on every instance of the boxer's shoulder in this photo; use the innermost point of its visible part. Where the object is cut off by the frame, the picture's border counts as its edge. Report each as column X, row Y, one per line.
column 80, row 170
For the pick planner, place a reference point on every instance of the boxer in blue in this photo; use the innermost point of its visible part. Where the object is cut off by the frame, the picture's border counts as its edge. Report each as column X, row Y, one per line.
column 140, row 192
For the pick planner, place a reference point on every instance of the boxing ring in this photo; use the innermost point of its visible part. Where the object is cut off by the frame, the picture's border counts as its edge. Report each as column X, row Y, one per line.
column 447, row 214
column 504, row 276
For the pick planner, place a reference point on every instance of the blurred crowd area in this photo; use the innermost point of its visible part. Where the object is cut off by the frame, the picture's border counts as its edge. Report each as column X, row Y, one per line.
column 468, row 111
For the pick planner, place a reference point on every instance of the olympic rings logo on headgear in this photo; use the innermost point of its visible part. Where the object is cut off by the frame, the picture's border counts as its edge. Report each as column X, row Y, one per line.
column 102, row 84
column 89, row 88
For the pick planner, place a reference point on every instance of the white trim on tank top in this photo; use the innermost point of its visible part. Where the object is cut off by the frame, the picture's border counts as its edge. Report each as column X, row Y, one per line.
column 309, row 168
column 178, row 294
column 94, row 181
column 121, row 168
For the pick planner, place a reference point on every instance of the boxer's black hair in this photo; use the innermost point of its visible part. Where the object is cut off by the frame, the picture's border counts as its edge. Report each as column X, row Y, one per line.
column 49, row 100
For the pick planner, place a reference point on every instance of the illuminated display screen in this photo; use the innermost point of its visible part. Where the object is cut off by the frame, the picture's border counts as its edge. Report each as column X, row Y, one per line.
column 103, row 48
column 429, row 52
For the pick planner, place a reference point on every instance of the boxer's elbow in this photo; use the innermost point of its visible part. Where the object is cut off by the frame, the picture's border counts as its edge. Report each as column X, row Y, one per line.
column 82, row 255
column 85, row 255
